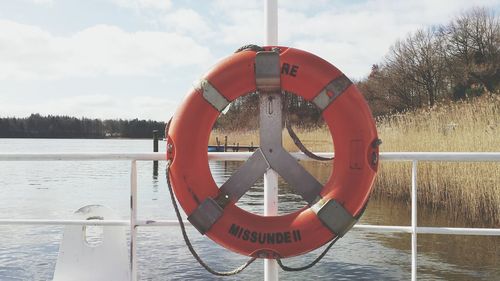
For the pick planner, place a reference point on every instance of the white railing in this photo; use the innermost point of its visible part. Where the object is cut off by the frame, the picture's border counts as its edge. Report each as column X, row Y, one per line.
column 133, row 222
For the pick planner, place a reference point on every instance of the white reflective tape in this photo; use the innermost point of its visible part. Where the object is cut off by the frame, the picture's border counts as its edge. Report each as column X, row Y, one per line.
column 334, row 216
column 212, row 96
column 331, row 92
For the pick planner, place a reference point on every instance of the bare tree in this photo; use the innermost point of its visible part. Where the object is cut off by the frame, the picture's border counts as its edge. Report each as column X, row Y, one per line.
column 473, row 51
column 453, row 61
column 417, row 65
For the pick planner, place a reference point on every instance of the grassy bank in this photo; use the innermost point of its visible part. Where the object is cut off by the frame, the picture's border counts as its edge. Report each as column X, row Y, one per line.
column 469, row 191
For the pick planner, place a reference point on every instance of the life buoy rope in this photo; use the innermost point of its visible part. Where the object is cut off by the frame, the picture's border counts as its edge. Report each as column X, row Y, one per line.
column 301, row 146
column 248, row 262
column 188, row 242
column 332, row 209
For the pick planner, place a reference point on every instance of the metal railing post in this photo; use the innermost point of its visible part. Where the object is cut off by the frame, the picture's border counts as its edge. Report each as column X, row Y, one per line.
column 414, row 220
column 133, row 221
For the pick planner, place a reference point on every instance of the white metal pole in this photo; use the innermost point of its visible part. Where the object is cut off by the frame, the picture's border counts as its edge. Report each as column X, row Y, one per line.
column 414, row 220
column 271, row 177
column 133, row 220
column 270, row 209
column 271, row 22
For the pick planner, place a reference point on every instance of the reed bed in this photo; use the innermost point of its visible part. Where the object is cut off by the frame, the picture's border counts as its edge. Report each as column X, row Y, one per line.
column 466, row 191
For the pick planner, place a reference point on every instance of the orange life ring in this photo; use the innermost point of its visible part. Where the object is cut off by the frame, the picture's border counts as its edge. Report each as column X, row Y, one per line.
column 332, row 209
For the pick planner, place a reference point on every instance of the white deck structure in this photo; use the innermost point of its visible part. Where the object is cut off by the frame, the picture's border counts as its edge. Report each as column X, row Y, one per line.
column 133, row 223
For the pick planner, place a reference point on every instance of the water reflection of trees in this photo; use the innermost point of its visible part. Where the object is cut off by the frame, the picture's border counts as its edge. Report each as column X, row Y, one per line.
column 476, row 255
column 253, row 200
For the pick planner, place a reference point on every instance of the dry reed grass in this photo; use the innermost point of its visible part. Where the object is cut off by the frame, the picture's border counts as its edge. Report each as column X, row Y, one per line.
column 469, row 191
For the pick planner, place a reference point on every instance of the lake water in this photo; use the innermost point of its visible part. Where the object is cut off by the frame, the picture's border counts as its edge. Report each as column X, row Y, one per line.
column 54, row 190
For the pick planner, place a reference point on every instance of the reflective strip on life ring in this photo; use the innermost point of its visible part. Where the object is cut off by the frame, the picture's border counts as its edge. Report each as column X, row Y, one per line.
column 332, row 209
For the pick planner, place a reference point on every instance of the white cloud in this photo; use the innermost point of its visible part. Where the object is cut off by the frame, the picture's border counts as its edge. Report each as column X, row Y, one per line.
column 187, row 35
column 229, row 6
column 152, row 108
column 294, row 5
column 28, row 52
column 355, row 36
column 243, row 27
column 188, row 21
column 345, row 56
column 353, row 41
column 239, row 22
column 102, row 106
column 42, row 2
column 161, row 5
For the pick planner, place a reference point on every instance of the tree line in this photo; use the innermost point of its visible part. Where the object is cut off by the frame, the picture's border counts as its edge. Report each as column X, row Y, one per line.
column 451, row 62
column 37, row 126
column 445, row 63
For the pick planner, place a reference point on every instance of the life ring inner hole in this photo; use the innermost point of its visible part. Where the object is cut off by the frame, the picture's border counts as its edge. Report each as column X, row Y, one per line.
column 237, row 129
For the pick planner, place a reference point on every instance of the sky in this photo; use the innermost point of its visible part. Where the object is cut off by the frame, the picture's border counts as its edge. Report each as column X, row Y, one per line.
column 138, row 58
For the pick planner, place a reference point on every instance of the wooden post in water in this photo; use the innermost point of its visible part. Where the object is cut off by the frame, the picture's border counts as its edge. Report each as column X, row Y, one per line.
column 155, row 149
column 218, row 143
column 225, row 150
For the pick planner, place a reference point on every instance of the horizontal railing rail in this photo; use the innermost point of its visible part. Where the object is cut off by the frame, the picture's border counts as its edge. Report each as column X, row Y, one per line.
column 242, row 156
column 133, row 222
column 169, row 223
